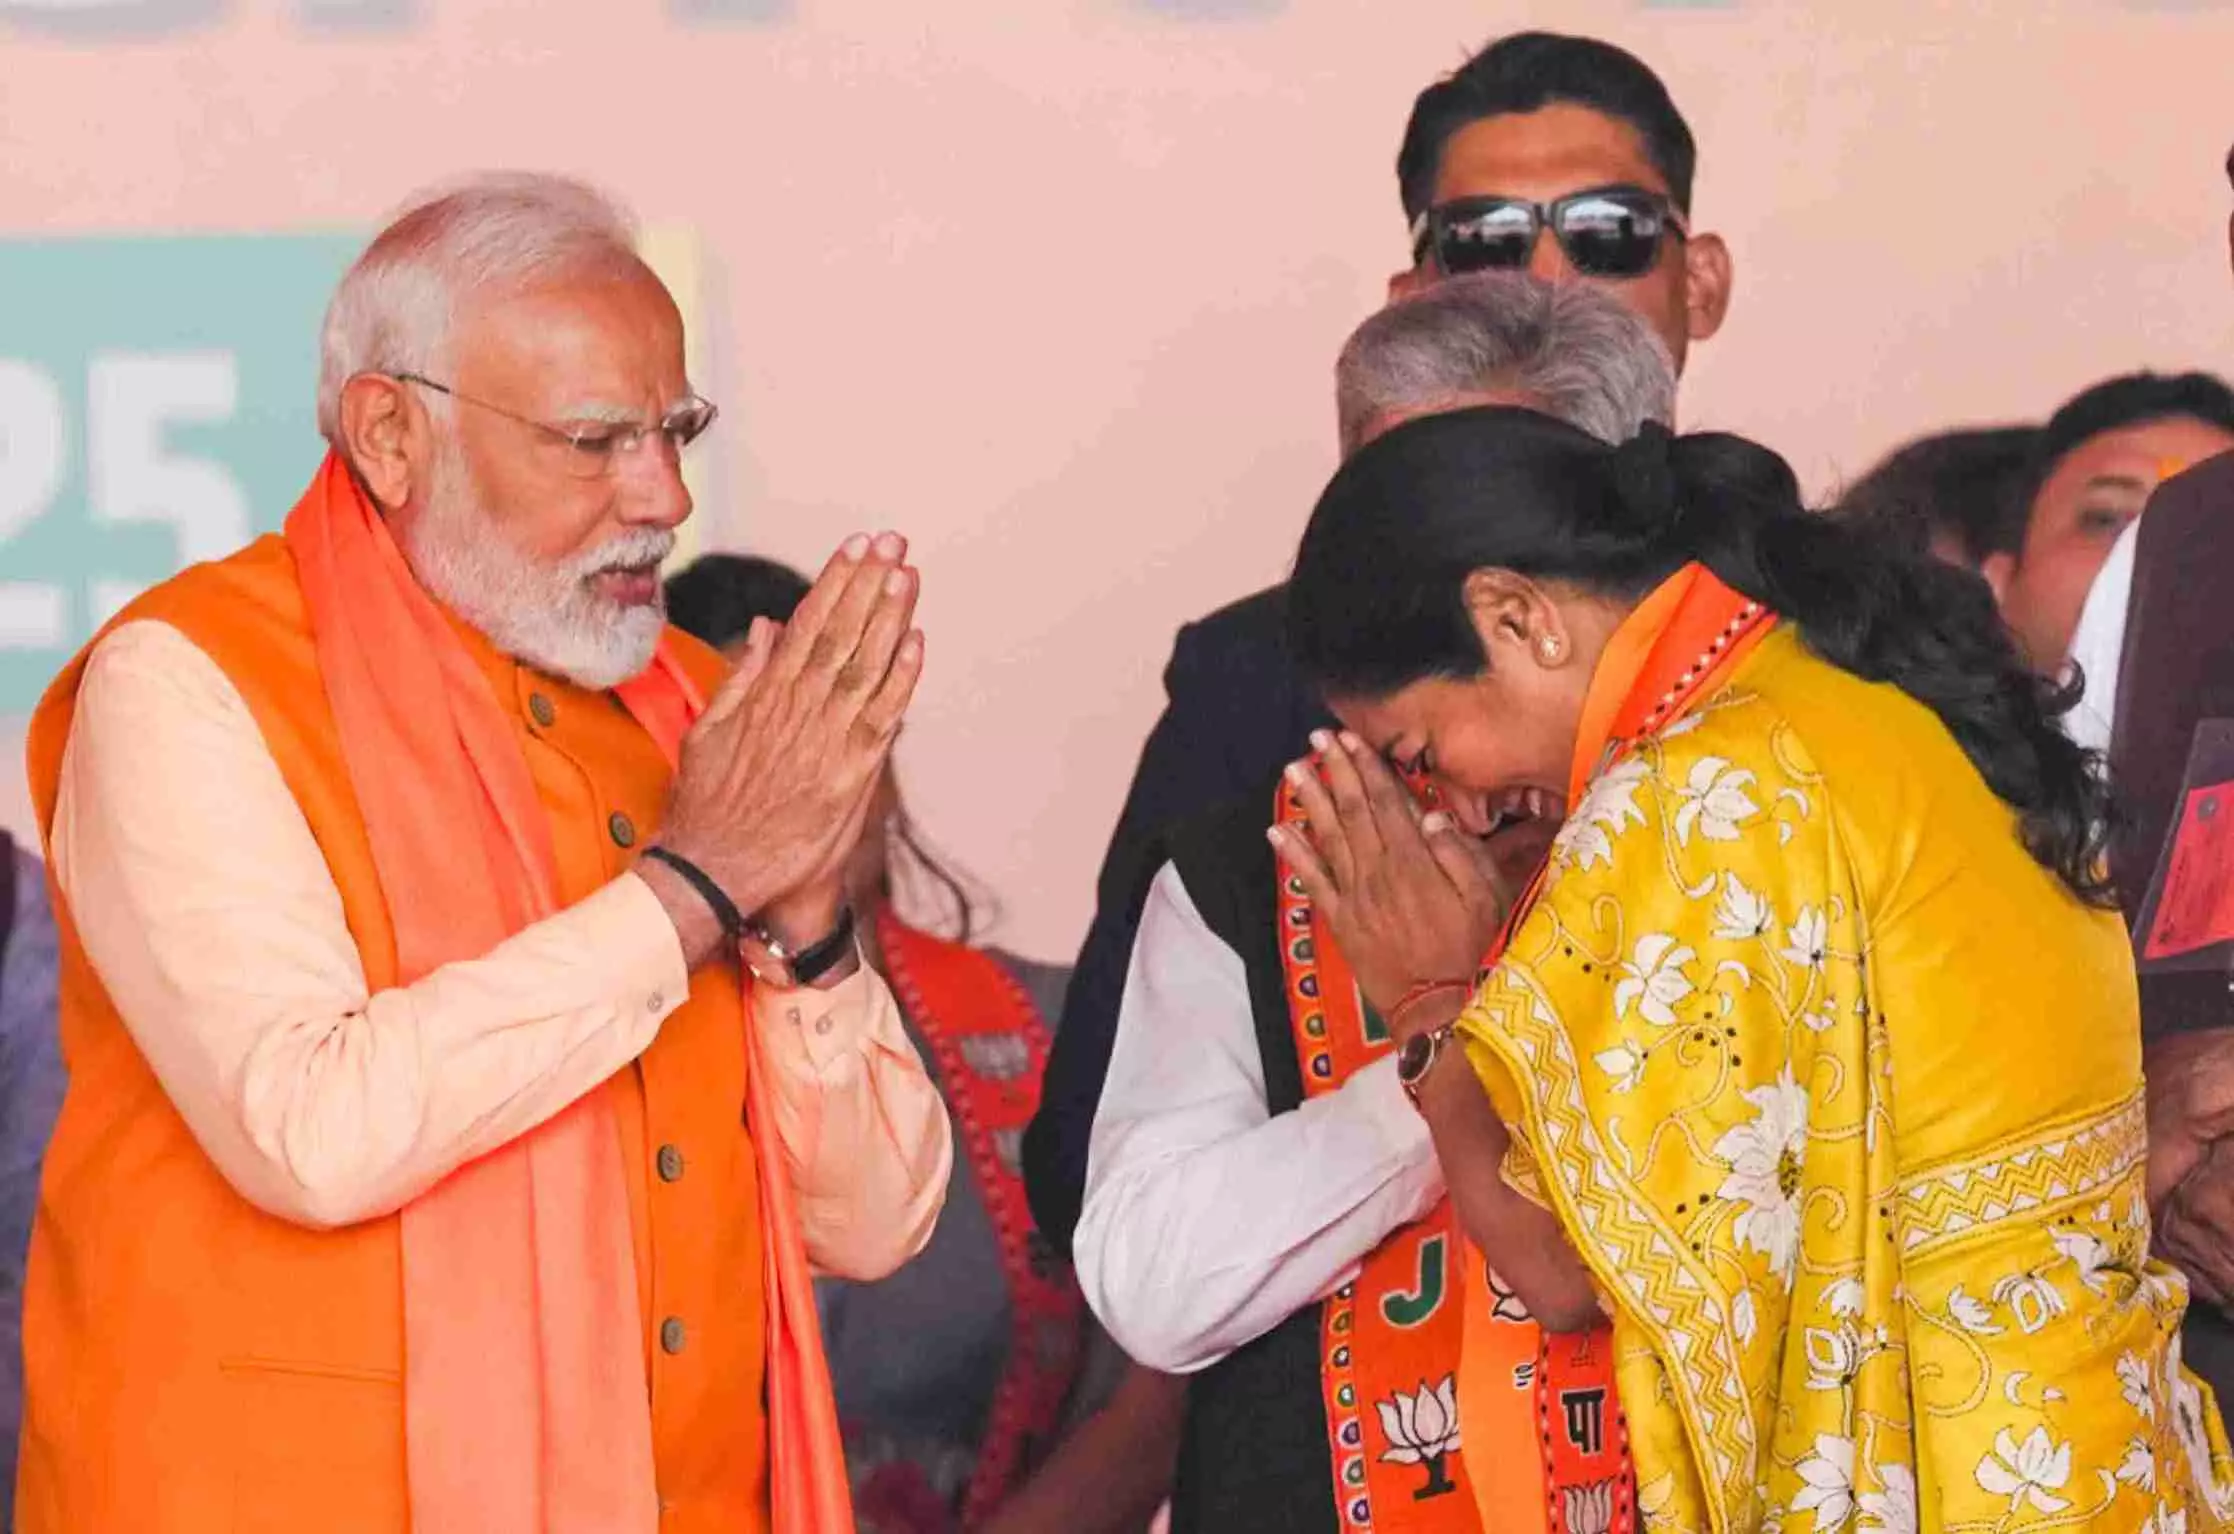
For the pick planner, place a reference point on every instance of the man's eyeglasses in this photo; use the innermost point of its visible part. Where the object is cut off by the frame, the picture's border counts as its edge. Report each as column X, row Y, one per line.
column 593, row 449
column 1613, row 231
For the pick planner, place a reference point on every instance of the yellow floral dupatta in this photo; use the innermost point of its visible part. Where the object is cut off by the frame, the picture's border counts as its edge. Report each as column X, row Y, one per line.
column 1684, row 1032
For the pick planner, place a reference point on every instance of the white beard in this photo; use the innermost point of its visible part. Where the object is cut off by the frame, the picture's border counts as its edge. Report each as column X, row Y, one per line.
column 545, row 615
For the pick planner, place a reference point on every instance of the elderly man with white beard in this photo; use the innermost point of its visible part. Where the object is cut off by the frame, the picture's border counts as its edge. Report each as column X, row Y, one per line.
column 469, row 1049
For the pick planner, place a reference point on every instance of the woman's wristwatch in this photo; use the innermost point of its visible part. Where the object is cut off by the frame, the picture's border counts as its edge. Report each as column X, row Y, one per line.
column 1417, row 1057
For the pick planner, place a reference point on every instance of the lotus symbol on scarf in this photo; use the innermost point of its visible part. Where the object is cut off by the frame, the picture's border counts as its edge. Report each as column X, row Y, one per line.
column 1422, row 1429
column 1590, row 1508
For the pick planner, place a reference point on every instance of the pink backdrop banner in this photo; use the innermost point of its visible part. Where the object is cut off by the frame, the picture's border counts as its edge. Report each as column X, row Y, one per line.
column 1055, row 287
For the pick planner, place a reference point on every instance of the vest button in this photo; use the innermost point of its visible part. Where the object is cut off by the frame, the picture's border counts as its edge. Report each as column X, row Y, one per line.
column 623, row 829
column 670, row 1164
column 671, row 1335
column 542, row 710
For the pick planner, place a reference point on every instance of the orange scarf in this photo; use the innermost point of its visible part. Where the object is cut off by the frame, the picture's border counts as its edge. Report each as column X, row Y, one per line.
column 1389, row 1340
column 526, row 1407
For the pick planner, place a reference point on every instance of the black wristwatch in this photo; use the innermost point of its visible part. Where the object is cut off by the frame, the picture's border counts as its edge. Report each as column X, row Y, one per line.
column 774, row 962
column 1417, row 1056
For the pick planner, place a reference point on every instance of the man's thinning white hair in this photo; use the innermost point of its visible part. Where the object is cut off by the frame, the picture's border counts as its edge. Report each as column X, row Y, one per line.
column 489, row 237
column 1565, row 349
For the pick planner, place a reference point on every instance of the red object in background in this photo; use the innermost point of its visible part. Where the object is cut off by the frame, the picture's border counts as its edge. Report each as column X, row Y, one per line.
column 2187, row 921
column 2195, row 907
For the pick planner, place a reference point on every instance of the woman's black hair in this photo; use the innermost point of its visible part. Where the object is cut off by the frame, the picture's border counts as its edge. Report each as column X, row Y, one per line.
column 1377, row 600
column 715, row 599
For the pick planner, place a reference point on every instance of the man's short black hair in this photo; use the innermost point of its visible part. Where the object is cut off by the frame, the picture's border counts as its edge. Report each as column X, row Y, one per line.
column 1963, row 484
column 2131, row 399
column 1531, row 70
column 719, row 595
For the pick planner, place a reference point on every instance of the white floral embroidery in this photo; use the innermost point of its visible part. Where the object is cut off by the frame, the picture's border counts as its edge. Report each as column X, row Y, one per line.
column 2032, row 1299
column 1833, row 1358
column 1807, row 938
column 1653, row 979
column 1741, row 914
column 1893, row 1509
column 1972, row 1314
column 2030, row 1471
column 1819, row 1022
column 1844, row 1298
column 1623, row 1064
column 2092, row 1258
column 1742, row 1319
column 2166, row 1521
column 1829, row 1477
column 2135, row 1385
column 2139, row 1467
column 2191, row 1427
column 1609, row 806
column 1764, row 1159
column 1714, row 802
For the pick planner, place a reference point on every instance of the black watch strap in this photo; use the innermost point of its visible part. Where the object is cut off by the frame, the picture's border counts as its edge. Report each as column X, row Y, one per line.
column 814, row 961
column 717, row 899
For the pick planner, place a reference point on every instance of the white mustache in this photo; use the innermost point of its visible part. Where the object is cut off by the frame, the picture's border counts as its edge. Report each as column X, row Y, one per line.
column 630, row 551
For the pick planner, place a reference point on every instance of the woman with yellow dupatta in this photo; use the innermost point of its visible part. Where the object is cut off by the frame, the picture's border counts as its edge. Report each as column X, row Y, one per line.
column 1815, row 1041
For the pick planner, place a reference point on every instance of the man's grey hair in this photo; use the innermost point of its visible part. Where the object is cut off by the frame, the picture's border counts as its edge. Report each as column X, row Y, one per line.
column 489, row 237
column 1565, row 349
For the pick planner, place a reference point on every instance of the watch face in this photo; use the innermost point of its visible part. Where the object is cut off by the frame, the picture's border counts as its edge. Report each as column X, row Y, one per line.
column 767, row 966
column 1416, row 1055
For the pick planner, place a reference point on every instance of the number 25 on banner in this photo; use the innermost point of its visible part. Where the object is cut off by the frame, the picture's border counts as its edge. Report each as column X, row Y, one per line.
column 132, row 475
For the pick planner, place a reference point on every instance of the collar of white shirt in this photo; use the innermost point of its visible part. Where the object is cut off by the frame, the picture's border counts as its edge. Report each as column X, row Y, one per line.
column 2098, row 645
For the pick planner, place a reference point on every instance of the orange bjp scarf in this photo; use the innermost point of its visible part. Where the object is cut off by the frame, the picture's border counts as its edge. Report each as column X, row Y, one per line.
column 526, row 1407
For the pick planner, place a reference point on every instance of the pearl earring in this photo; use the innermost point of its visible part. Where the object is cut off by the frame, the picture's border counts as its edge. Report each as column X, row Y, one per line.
column 1551, row 649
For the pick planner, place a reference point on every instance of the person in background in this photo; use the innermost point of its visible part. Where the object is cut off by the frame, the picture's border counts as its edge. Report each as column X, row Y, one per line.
column 1555, row 155
column 973, row 1391
column 2159, row 626
column 1816, row 1039
column 1951, row 495
column 30, row 1095
column 1261, row 1189
column 2099, row 459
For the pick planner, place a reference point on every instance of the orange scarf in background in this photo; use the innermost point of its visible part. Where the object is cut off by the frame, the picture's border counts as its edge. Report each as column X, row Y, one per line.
column 526, row 1407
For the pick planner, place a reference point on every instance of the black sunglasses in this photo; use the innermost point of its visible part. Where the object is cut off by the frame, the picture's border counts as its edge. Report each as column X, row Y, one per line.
column 1608, row 231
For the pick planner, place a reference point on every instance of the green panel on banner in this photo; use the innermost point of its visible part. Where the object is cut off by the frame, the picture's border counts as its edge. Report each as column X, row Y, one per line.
column 156, row 408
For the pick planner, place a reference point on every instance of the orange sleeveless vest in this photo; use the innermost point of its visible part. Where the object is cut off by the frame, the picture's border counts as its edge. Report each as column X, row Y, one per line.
column 192, row 1363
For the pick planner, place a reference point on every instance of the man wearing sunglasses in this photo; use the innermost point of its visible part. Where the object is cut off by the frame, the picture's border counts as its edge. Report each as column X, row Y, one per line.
column 426, row 1158
column 1560, row 156
column 1565, row 157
